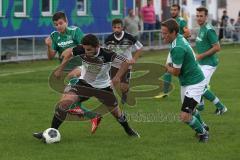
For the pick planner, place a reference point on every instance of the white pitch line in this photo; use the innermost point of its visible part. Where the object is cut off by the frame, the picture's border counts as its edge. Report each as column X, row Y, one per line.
column 23, row 72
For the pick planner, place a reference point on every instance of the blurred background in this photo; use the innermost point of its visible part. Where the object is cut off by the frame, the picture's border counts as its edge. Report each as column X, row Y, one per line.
column 25, row 23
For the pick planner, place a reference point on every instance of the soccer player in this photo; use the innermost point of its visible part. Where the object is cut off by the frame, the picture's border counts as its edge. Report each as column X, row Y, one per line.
column 123, row 44
column 183, row 30
column 68, row 37
column 182, row 63
column 93, row 82
column 207, row 46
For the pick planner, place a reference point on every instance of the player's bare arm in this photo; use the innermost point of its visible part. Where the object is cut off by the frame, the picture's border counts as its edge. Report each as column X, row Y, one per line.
column 215, row 48
column 172, row 70
column 50, row 52
column 120, row 73
column 137, row 54
column 66, row 55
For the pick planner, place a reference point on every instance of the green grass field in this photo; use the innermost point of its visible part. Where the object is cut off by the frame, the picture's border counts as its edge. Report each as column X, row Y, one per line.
column 27, row 105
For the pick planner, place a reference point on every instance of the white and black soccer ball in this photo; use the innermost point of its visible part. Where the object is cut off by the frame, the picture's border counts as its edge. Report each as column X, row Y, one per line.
column 51, row 135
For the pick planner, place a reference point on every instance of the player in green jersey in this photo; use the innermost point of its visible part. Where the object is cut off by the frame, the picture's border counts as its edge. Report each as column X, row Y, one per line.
column 63, row 38
column 207, row 46
column 183, row 30
column 182, row 63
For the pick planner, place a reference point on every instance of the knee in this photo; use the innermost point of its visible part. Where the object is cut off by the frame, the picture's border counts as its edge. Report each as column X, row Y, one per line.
column 185, row 117
column 61, row 110
column 124, row 87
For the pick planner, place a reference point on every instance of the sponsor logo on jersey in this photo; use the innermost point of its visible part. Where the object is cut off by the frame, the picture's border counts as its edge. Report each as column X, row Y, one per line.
column 66, row 43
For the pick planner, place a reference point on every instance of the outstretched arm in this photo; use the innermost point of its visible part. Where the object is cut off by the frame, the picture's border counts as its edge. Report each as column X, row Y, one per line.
column 66, row 55
column 50, row 52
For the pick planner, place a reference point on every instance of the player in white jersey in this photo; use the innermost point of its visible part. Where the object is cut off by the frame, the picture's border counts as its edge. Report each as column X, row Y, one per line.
column 123, row 44
column 94, row 81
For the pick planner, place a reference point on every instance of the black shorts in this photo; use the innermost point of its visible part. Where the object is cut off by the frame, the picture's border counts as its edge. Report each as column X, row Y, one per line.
column 125, row 78
column 85, row 91
column 188, row 105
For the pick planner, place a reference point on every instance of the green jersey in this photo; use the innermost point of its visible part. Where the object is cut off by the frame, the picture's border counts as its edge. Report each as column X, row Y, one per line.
column 205, row 39
column 182, row 23
column 69, row 39
column 183, row 57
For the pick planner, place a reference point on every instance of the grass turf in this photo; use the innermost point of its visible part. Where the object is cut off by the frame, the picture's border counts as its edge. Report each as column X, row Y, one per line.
column 27, row 105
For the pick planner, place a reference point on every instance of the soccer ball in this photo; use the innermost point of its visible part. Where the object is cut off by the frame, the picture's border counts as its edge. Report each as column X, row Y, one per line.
column 51, row 135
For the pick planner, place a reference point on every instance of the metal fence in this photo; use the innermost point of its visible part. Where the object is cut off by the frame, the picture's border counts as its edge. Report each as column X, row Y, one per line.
column 33, row 47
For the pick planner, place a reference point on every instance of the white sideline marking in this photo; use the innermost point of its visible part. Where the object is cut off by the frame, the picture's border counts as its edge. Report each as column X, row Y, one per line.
column 23, row 72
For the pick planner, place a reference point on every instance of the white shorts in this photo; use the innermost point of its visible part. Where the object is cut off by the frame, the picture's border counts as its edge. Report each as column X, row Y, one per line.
column 194, row 91
column 208, row 72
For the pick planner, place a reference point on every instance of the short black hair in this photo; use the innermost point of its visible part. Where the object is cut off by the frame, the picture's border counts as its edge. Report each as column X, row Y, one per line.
column 200, row 9
column 59, row 15
column 171, row 24
column 117, row 21
column 176, row 5
column 91, row 40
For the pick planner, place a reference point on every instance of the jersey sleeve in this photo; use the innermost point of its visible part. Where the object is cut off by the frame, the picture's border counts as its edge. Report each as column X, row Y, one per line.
column 78, row 50
column 212, row 36
column 114, row 57
column 78, row 36
column 177, row 55
column 107, row 40
column 136, row 44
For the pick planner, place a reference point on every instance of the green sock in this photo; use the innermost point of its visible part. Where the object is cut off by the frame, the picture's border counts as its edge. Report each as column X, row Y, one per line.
column 167, row 78
column 87, row 113
column 196, row 125
column 211, row 97
column 200, row 106
column 198, row 116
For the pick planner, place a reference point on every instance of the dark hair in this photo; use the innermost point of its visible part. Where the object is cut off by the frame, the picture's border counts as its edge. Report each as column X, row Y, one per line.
column 171, row 24
column 59, row 15
column 176, row 5
column 91, row 40
column 117, row 21
column 200, row 9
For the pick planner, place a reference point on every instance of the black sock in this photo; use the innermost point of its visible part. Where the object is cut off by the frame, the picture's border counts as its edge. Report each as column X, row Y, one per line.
column 123, row 121
column 56, row 122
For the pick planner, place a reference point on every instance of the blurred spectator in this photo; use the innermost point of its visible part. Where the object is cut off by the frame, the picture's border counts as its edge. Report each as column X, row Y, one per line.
column 223, row 25
column 230, row 29
column 149, row 18
column 237, row 30
column 158, row 22
column 132, row 24
column 185, row 13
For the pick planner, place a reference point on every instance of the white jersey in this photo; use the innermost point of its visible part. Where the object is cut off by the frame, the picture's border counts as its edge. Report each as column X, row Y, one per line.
column 95, row 70
column 123, row 45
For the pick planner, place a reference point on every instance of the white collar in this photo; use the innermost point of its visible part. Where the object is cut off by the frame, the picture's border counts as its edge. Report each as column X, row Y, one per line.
column 119, row 37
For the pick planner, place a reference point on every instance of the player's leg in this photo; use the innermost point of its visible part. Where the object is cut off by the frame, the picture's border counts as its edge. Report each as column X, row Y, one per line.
column 209, row 95
column 167, row 79
column 220, row 107
column 110, row 101
column 78, row 106
column 187, row 117
column 196, row 113
column 124, row 86
column 61, row 109
column 124, row 89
